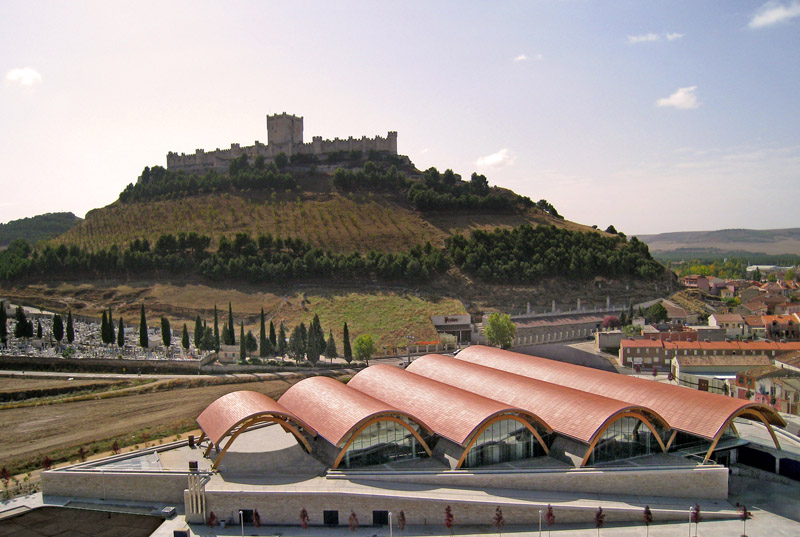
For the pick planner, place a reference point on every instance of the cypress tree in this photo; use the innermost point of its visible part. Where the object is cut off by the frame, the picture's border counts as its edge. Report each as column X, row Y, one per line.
column 166, row 332
column 198, row 332
column 71, row 327
column 282, row 341
column 21, row 328
column 216, row 329
column 38, row 329
column 185, row 338
column 263, row 342
column 112, row 336
column 330, row 347
column 3, row 323
column 348, row 352
column 104, row 328
column 144, row 342
column 242, row 347
column 272, row 337
column 121, row 334
column 231, row 328
column 58, row 328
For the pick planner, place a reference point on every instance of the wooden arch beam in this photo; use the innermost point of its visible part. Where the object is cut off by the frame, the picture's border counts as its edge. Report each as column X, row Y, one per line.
column 729, row 422
column 492, row 421
column 612, row 421
column 262, row 419
column 370, row 422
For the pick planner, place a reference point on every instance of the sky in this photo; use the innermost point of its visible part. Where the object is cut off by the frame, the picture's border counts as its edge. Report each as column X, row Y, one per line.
column 647, row 115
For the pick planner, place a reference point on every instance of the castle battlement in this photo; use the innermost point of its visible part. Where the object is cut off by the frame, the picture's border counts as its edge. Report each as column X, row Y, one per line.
column 284, row 135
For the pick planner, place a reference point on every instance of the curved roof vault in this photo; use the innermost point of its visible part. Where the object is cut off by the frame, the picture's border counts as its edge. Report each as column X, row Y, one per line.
column 231, row 410
column 338, row 412
column 696, row 412
column 579, row 415
column 451, row 412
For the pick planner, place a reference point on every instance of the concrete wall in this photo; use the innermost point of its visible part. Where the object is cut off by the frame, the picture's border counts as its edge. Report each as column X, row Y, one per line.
column 165, row 487
column 704, row 482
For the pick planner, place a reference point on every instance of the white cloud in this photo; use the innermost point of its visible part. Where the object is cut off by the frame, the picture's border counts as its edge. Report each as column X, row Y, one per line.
column 23, row 76
column 520, row 58
column 500, row 159
column 683, row 98
column 644, row 38
column 651, row 37
column 775, row 13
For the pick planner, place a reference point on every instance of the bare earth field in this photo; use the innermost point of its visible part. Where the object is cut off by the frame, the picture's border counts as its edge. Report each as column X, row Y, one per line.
column 13, row 385
column 39, row 430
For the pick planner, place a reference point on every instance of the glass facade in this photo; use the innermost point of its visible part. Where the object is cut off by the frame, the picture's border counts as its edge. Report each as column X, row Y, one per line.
column 502, row 441
column 383, row 441
column 694, row 444
column 625, row 438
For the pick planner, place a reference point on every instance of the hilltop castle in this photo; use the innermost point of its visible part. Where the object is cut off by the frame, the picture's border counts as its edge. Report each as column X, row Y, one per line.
column 284, row 135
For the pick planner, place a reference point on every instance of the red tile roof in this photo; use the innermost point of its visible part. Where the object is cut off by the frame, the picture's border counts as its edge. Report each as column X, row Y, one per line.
column 333, row 409
column 570, row 412
column 226, row 413
column 450, row 412
column 693, row 411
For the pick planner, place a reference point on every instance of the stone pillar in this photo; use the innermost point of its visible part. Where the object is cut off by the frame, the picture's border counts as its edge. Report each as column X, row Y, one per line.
column 529, row 308
column 579, row 304
column 554, row 306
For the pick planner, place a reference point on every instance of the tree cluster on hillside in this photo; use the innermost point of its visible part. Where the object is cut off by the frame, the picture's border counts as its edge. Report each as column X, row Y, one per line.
column 160, row 183
column 36, row 228
column 371, row 177
column 447, row 191
column 526, row 254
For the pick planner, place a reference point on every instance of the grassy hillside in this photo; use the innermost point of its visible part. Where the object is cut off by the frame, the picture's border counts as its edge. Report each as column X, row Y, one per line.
column 36, row 228
column 330, row 220
column 729, row 242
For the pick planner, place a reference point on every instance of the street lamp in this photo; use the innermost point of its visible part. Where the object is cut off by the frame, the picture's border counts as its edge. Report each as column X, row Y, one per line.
column 691, row 510
column 540, row 523
column 241, row 519
column 390, row 524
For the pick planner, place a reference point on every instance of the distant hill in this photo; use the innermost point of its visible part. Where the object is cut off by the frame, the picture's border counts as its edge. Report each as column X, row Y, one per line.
column 37, row 228
column 737, row 242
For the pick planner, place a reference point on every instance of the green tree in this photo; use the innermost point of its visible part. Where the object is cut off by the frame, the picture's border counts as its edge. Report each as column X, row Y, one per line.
column 166, row 332
column 144, row 342
column 71, row 328
column 250, row 343
column 272, row 337
column 296, row 347
column 231, row 327
column 21, row 326
column 364, row 347
column 104, row 328
column 656, row 313
column 347, row 351
column 281, row 160
column 208, row 343
column 112, row 336
column 3, row 324
column 120, row 334
column 263, row 340
column 242, row 344
column 185, row 337
column 330, row 347
column 198, row 331
column 500, row 330
column 38, row 329
column 216, row 328
column 281, row 347
column 315, row 343
column 58, row 328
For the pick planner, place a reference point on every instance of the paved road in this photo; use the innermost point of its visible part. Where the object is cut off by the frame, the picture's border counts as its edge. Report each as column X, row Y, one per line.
column 565, row 353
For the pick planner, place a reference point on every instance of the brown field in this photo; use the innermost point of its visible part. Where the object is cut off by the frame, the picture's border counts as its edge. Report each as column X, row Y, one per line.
column 15, row 384
column 33, row 432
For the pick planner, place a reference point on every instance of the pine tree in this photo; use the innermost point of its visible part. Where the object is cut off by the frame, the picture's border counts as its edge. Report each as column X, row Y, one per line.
column 120, row 334
column 315, row 343
column 272, row 337
column 3, row 323
column 242, row 343
column 296, row 346
column 71, row 327
column 348, row 352
column 166, row 332
column 104, row 328
column 185, row 337
column 198, row 332
column 231, row 328
column 330, row 347
column 263, row 342
column 216, row 328
column 38, row 329
column 144, row 341
column 282, row 341
column 21, row 328
column 112, row 336
column 58, row 328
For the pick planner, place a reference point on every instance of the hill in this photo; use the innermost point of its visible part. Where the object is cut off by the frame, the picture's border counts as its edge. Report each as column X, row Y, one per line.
column 37, row 228
column 735, row 242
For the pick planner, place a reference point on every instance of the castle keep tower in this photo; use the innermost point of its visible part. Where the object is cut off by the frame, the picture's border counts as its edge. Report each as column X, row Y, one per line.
column 284, row 129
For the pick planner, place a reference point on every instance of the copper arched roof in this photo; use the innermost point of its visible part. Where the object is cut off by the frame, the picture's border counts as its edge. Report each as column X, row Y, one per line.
column 696, row 412
column 226, row 413
column 570, row 412
column 451, row 412
column 336, row 410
